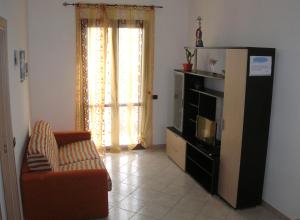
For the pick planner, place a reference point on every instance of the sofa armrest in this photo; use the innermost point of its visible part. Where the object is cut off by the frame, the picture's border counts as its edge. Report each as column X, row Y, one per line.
column 63, row 138
column 81, row 194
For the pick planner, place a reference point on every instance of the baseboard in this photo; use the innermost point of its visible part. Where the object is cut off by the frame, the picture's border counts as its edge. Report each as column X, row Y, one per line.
column 274, row 210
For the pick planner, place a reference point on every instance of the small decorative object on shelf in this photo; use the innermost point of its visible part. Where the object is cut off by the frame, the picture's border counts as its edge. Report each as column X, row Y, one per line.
column 189, row 55
column 212, row 63
column 199, row 42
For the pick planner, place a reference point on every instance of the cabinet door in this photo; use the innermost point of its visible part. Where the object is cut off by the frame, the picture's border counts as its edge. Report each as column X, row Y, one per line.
column 176, row 148
column 233, row 114
column 178, row 100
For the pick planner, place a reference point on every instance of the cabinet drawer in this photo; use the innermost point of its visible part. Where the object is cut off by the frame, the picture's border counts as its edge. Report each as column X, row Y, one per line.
column 176, row 148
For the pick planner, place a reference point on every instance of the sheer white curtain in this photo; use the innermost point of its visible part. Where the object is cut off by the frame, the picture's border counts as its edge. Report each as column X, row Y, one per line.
column 118, row 52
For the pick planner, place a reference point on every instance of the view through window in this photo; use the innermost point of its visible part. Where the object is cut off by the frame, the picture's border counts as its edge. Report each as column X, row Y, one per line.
column 129, row 62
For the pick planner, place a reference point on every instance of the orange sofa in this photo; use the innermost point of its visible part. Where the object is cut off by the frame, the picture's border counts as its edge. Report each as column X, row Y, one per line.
column 63, row 177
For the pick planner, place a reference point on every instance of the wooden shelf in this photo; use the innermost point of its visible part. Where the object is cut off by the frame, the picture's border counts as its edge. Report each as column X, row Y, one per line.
column 208, row 151
column 203, row 73
column 201, row 167
column 209, row 92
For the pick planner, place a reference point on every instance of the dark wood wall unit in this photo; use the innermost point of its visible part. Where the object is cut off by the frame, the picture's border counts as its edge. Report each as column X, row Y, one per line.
column 233, row 165
column 202, row 159
column 258, row 103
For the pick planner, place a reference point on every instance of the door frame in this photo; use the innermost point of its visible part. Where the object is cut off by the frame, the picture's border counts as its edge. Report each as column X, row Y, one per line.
column 7, row 155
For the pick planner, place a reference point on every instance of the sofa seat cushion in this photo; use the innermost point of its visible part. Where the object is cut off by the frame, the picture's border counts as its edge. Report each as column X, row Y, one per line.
column 77, row 151
column 88, row 165
column 42, row 152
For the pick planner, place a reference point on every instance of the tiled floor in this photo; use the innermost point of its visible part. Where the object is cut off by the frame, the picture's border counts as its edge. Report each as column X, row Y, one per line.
column 148, row 186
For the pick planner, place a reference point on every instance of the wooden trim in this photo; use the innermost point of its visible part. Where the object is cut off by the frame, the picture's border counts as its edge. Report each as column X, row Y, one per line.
column 8, row 165
column 233, row 114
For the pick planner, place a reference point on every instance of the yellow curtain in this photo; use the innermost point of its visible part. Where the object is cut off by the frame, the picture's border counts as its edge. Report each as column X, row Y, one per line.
column 103, row 60
column 147, row 82
column 115, row 134
column 91, row 41
column 132, row 14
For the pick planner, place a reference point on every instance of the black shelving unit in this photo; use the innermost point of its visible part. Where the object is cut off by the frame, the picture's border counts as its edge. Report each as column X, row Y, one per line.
column 202, row 73
column 203, row 167
column 202, row 159
column 233, row 169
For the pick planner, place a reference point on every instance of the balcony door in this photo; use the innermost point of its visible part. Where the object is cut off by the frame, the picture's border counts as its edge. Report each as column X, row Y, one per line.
column 123, row 90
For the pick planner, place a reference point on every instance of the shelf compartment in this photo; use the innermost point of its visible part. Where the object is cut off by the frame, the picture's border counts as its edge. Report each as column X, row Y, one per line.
column 209, row 92
column 202, row 73
column 199, row 175
column 202, row 168
column 202, row 160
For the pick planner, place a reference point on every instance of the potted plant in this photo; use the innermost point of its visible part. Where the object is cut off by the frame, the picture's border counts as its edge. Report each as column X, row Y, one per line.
column 189, row 55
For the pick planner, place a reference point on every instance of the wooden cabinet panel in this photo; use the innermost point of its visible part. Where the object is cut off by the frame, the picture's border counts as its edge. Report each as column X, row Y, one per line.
column 176, row 148
column 233, row 114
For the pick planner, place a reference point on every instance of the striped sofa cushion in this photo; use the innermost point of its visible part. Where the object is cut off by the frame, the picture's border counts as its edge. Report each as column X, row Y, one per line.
column 77, row 151
column 42, row 153
column 87, row 165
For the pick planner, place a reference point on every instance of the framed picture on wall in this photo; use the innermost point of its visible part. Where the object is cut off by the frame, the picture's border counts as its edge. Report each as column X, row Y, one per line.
column 22, row 65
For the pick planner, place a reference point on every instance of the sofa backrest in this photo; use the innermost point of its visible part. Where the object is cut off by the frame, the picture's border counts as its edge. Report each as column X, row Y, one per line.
column 42, row 153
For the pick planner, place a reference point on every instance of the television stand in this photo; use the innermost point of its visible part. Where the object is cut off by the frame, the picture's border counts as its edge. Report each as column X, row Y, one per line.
column 202, row 163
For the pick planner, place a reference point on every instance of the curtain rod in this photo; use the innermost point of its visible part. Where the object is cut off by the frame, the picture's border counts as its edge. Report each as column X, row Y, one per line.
column 125, row 5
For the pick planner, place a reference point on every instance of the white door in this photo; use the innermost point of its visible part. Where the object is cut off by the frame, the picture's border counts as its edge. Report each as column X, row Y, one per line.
column 7, row 157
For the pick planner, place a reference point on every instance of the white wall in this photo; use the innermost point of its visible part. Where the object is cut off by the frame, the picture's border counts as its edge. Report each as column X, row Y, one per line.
column 52, row 52
column 15, row 11
column 266, row 23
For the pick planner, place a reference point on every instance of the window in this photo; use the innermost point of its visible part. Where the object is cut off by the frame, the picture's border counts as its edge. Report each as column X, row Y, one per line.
column 129, row 64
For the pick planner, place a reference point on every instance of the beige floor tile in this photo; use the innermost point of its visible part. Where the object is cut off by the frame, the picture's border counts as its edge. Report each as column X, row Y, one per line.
column 146, row 194
column 119, row 214
column 173, row 189
column 131, row 204
column 142, row 217
column 123, row 189
column 178, row 215
column 203, row 217
column 134, row 180
column 266, row 214
column 246, row 214
column 215, row 208
column 156, row 184
column 191, row 206
column 154, row 210
column 167, row 200
column 115, row 198
column 147, row 185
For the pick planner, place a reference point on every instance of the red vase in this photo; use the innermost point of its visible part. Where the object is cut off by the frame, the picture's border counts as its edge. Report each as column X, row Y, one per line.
column 187, row 67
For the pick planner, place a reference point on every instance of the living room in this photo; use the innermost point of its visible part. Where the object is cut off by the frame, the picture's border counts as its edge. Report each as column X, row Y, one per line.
column 45, row 30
